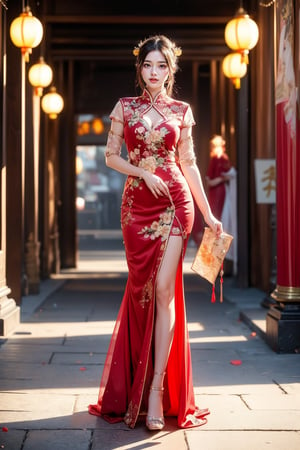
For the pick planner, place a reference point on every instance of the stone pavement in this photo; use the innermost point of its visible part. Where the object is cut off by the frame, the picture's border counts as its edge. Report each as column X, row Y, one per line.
column 51, row 366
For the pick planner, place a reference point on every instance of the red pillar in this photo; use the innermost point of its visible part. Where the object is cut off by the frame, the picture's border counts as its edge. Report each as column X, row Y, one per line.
column 283, row 320
column 288, row 208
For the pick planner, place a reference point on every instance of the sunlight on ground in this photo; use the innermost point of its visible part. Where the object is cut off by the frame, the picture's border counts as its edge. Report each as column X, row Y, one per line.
column 59, row 329
column 103, row 328
column 195, row 326
column 82, row 391
column 216, row 339
column 105, row 262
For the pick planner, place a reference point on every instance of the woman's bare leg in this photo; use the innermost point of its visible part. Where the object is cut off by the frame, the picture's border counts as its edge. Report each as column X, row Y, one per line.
column 165, row 320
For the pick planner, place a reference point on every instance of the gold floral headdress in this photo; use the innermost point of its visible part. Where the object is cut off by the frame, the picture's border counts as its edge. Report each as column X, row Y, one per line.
column 136, row 51
column 177, row 50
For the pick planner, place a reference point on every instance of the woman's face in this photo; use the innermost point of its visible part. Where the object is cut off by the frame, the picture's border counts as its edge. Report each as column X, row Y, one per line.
column 155, row 71
column 217, row 149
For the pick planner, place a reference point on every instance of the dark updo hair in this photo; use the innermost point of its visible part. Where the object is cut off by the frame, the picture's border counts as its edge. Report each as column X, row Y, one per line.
column 169, row 51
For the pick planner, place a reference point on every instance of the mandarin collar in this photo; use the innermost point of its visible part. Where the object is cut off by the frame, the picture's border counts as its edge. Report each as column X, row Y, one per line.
column 160, row 97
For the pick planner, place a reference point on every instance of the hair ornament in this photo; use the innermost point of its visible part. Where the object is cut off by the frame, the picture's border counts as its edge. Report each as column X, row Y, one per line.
column 136, row 49
column 177, row 51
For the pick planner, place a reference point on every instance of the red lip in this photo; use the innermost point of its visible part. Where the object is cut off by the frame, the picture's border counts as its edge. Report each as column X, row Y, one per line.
column 153, row 80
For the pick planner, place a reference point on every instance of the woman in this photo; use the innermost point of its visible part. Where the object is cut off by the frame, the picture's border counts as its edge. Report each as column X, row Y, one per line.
column 217, row 175
column 148, row 366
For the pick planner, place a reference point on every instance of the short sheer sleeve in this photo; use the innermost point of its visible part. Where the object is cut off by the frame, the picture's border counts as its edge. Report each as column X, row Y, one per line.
column 114, row 139
column 114, row 144
column 188, row 119
column 117, row 113
column 186, row 151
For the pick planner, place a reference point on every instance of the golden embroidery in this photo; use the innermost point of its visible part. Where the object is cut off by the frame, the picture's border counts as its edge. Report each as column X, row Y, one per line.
column 161, row 227
column 127, row 217
column 148, row 163
column 130, row 415
column 147, row 293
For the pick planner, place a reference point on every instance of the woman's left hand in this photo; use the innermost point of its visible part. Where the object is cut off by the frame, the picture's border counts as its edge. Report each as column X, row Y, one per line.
column 216, row 226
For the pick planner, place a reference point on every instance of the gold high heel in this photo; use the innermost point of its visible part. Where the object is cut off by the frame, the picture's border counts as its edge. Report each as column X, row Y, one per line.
column 156, row 423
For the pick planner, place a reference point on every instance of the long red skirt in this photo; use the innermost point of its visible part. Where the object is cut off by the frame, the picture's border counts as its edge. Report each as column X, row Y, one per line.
column 147, row 224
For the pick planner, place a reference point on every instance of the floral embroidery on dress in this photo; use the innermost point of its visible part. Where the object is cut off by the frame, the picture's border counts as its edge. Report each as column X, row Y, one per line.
column 127, row 217
column 148, row 163
column 134, row 182
column 147, row 293
column 176, row 230
column 160, row 228
column 131, row 414
column 154, row 139
column 133, row 112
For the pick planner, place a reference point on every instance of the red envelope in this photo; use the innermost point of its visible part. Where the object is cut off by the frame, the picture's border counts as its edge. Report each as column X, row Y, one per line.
column 210, row 255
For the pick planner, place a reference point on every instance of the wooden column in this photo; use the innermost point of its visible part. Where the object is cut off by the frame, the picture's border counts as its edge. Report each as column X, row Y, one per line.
column 14, row 177
column 67, row 174
column 242, row 133
column 32, row 244
column 9, row 312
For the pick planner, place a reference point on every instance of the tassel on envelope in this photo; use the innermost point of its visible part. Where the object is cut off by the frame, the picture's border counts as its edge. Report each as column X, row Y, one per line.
column 221, row 284
column 213, row 295
column 209, row 259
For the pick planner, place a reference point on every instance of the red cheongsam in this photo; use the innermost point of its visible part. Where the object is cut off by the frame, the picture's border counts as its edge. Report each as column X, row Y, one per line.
column 147, row 222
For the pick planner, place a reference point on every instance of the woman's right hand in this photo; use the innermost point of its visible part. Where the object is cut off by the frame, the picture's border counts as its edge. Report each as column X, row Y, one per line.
column 156, row 185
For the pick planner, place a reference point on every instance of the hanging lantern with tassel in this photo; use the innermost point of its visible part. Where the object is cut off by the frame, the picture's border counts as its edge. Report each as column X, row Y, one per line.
column 26, row 32
column 52, row 103
column 40, row 76
column 234, row 68
column 241, row 34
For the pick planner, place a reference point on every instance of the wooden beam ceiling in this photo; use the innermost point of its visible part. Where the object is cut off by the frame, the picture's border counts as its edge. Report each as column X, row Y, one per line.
column 110, row 37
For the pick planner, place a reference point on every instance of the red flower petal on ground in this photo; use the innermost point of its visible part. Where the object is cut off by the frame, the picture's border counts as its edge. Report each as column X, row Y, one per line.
column 5, row 429
column 82, row 368
column 236, row 362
